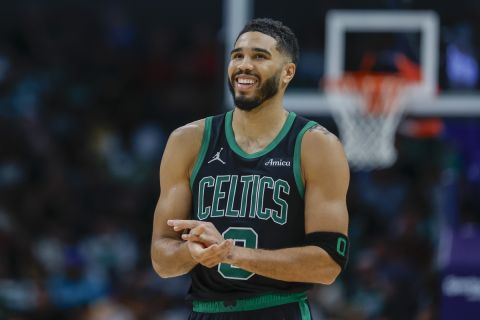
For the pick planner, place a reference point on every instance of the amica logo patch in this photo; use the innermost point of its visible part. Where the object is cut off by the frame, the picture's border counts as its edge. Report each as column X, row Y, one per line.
column 277, row 163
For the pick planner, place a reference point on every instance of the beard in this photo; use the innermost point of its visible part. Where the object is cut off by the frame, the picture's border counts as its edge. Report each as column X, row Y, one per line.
column 268, row 89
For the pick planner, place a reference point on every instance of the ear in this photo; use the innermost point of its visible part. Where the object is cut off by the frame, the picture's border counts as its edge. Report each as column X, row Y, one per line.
column 288, row 72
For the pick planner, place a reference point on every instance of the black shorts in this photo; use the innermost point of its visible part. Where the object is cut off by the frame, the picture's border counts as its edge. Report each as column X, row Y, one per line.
column 293, row 310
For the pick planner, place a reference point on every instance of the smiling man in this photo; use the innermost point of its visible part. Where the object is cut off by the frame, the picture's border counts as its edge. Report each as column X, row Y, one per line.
column 253, row 201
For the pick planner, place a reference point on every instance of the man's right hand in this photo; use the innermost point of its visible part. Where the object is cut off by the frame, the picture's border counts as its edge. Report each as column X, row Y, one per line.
column 205, row 243
column 200, row 231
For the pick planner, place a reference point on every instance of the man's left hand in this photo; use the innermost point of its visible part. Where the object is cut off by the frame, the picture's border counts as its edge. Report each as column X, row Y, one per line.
column 211, row 256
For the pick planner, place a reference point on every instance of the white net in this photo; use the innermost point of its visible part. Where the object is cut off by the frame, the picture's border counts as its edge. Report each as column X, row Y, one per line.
column 367, row 109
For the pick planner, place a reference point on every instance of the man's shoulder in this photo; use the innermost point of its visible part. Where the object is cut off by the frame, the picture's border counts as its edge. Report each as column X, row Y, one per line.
column 187, row 139
column 189, row 132
column 317, row 136
column 193, row 129
column 322, row 154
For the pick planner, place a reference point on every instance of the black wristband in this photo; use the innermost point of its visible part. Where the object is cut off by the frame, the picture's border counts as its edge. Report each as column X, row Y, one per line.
column 334, row 243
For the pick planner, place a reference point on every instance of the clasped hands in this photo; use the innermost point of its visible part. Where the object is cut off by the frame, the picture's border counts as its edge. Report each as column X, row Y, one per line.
column 206, row 245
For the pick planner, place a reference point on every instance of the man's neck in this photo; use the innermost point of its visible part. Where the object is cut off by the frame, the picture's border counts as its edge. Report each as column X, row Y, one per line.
column 256, row 128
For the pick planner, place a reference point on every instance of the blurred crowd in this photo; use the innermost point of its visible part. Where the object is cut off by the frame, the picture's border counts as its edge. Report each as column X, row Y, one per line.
column 88, row 95
column 87, row 98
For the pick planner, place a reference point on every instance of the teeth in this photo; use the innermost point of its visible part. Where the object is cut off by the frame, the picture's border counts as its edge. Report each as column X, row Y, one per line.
column 246, row 81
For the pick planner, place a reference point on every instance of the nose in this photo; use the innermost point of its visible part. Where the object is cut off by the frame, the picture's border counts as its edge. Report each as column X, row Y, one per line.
column 245, row 64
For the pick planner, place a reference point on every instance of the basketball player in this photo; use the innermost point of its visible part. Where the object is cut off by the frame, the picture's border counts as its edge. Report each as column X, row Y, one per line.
column 252, row 201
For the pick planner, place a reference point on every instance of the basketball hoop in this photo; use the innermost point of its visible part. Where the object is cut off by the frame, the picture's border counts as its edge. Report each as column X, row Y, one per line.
column 367, row 108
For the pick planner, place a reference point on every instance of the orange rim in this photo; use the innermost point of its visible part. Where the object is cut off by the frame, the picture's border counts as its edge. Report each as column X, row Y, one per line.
column 379, row 91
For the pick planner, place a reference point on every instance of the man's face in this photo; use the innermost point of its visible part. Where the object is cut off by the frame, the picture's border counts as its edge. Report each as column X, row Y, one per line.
column 255, row 70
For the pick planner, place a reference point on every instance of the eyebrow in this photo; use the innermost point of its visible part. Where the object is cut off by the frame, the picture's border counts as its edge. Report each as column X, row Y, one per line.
column 253, row 49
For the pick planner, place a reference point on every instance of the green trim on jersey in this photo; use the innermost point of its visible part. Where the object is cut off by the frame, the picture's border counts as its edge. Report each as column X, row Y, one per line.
column 297, row 155
column 255, row 303
column 203, row 149
column 304, row 310
column 236, row 148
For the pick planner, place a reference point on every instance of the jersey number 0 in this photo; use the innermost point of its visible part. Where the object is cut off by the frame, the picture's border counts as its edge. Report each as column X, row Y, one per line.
column 246, row 237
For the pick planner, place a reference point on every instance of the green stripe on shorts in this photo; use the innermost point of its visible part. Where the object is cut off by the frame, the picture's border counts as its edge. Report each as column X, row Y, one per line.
column 255, row 303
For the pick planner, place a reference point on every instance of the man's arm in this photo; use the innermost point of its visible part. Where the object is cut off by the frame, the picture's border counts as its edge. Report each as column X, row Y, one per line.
column 326, row 177
column 169, row 253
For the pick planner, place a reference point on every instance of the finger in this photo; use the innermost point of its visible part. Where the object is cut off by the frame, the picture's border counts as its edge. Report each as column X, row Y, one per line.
column 226, row 244
column 204, row 238
column 196, row 232
column 183, row 224
column 202, row 233
column 199, row 229
column 195, row 247
column 196, row 251
column 217, row 251
column 207, row 254
column 191, row 237
column 218, row 256
column 210, row 251
column 208, row 233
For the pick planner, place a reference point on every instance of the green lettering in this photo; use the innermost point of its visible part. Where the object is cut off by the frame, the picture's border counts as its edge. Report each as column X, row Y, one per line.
column 280, row 217
column 218, row 195
column 254, row 197
column 265, row 182
column 247, row 181
column 203, row 213
column 230, row 212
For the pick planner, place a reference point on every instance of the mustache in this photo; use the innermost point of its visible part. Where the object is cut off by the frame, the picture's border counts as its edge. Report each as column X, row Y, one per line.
column 244, row 73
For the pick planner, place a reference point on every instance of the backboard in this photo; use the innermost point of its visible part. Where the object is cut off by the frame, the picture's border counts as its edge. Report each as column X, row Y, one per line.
column 339, row 24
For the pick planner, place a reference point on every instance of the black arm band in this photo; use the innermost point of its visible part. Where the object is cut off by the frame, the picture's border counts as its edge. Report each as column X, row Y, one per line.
column 334, row 243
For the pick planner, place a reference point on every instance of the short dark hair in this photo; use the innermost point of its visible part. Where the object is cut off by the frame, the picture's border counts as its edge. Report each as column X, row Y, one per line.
column 287, row 42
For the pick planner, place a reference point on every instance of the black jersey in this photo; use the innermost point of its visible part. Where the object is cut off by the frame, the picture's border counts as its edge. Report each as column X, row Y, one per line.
column 255, row 199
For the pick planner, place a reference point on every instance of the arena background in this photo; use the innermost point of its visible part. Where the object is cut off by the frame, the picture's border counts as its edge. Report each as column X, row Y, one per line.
column 89, row 92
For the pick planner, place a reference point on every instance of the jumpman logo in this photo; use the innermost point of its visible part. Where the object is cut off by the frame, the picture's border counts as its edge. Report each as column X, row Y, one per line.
column 217, row 157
